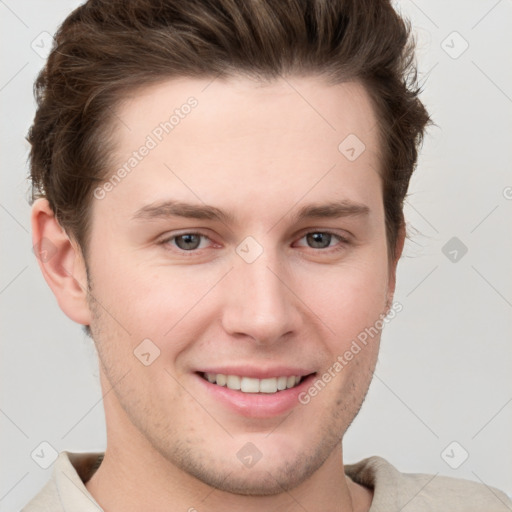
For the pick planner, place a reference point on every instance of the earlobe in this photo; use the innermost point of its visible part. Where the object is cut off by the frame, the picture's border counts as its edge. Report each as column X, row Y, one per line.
column 61, row 262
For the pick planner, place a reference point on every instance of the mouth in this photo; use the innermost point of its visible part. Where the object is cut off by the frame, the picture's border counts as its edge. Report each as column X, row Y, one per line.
column 250, row 385
column 254, row 392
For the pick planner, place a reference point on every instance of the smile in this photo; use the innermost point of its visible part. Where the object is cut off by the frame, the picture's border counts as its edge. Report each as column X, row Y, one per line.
column 252, row 385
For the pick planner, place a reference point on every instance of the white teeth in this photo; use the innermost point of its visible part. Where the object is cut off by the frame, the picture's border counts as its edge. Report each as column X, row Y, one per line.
column 252, row 385
column 234, row 382
column 268, row 385
column 249, row 385
column 281, row 383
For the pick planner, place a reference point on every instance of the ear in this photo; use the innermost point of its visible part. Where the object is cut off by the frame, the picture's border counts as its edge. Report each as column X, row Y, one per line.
column 399, row 247
column 61, row 263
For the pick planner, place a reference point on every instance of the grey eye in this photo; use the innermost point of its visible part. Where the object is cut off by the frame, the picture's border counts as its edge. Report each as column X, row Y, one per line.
column 319, row 240
column 188, row 241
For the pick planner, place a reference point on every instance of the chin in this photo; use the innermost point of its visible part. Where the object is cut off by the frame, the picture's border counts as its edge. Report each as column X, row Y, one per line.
column 271, row 474
column 265, row 481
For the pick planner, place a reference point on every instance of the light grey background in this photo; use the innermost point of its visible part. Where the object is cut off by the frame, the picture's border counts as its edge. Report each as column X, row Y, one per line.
column 444, row 369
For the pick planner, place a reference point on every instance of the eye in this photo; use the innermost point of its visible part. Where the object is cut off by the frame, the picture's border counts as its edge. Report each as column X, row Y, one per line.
column 323, row 239
column 186, row 241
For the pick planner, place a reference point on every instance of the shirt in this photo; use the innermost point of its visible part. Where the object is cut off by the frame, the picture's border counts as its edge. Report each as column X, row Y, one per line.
column 393, row 491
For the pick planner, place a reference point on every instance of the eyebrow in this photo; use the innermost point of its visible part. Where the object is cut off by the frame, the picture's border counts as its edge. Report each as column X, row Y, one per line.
column 172, row 208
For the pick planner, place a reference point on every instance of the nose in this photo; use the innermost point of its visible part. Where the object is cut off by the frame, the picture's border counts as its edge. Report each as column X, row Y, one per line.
column 259, row 300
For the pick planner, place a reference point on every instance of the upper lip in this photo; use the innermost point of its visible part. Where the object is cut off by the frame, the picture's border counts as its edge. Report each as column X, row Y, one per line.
column 258, row 373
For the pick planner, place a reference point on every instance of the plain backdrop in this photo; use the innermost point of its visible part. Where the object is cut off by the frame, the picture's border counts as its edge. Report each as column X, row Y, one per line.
column 443, row 386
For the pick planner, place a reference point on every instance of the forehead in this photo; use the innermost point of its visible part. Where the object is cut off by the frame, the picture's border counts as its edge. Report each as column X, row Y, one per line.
column 288, row 104
column 197, row 137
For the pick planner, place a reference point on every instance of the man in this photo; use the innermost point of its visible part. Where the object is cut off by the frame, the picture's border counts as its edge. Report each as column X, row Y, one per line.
column 220, row 186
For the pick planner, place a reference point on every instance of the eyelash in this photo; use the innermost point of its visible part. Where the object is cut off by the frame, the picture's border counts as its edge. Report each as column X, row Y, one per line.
column 343, row 242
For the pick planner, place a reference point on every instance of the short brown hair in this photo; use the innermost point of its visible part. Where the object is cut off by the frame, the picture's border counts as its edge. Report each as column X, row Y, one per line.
column 108, row 48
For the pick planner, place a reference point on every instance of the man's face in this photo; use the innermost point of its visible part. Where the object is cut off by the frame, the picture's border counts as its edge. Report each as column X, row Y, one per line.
column 259, row 293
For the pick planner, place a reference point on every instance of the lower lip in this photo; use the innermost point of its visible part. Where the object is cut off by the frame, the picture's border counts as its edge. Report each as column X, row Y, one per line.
column 257, row 405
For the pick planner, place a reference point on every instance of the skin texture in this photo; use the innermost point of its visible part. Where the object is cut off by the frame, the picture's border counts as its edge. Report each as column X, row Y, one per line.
column 261, row 152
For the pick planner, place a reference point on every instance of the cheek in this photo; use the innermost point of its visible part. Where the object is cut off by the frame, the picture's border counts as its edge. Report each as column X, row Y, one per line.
column 348, row 298
column 163, row 303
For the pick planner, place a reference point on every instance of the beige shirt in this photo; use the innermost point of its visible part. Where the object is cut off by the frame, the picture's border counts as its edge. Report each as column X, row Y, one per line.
column 393, row 491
